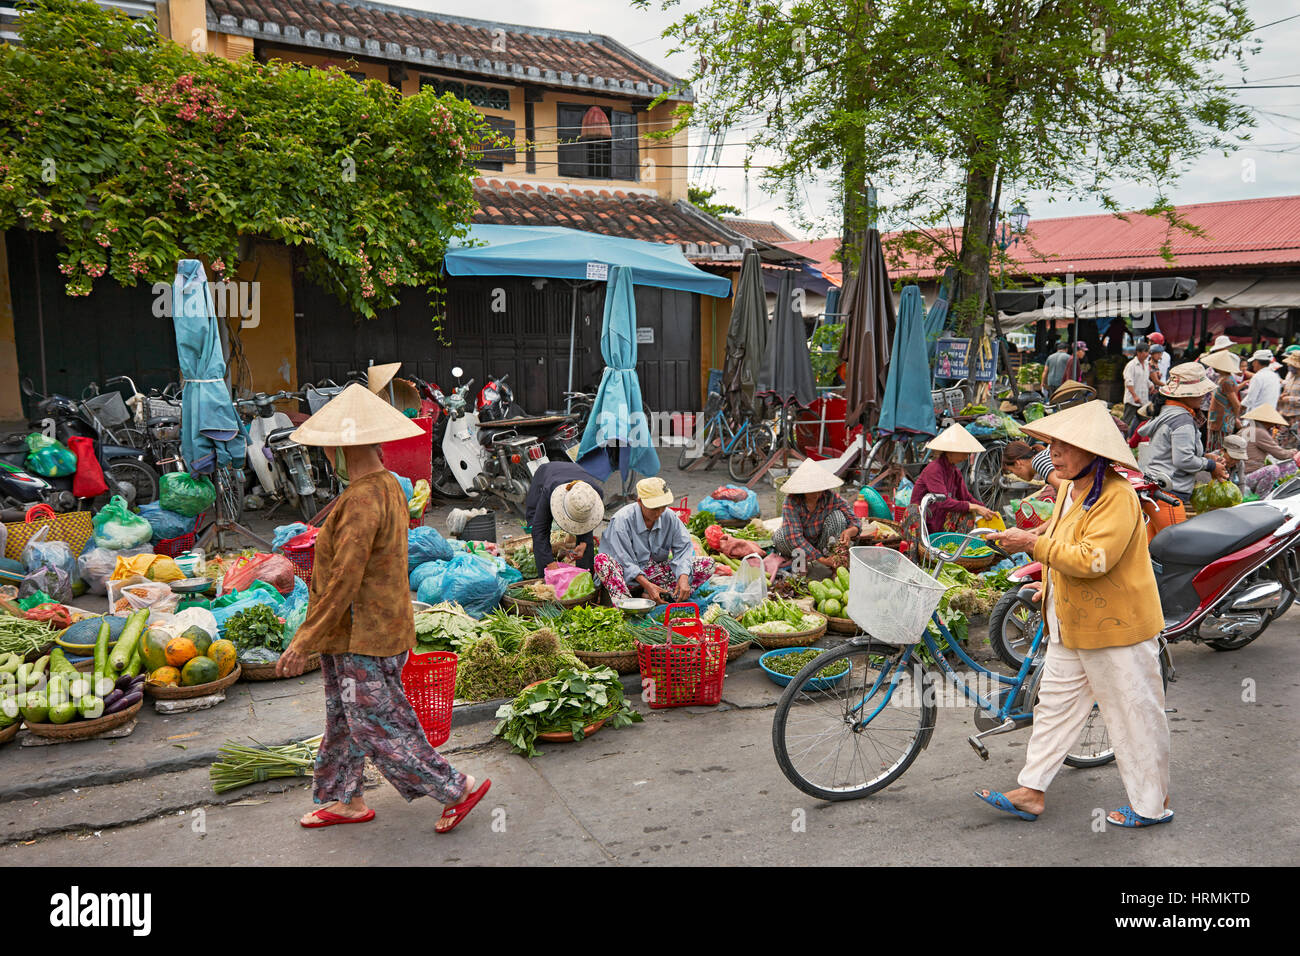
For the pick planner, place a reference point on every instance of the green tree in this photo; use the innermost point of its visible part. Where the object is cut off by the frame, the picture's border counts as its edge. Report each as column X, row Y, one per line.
column 701, row 198
column 948, row 105
column 138, row 153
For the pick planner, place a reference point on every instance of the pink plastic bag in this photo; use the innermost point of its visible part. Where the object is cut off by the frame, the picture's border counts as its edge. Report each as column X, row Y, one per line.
column 561, row 577
column 275, row 569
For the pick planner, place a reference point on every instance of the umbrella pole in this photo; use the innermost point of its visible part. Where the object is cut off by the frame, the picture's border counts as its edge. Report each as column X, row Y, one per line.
column 783, row 451
column 573, row 331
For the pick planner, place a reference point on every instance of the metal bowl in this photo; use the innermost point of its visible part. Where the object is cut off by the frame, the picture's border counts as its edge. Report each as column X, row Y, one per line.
column 418, row 606
column 635, row 605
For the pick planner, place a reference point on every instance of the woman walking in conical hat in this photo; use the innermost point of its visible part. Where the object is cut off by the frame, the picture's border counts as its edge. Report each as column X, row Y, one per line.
column 360, row 620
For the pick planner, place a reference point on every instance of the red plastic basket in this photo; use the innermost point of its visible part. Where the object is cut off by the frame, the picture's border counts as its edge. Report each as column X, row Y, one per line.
column 682, row 509
column 174, row 546
column 685, row 675
column 301, row 552
column 430, row 684
column 899, row 511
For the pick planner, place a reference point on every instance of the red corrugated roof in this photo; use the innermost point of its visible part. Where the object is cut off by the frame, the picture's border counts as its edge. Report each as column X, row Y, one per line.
column 1243, row 232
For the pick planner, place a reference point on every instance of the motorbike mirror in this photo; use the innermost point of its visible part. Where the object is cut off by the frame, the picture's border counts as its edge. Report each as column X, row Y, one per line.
column 457, row 371
column 28, row 388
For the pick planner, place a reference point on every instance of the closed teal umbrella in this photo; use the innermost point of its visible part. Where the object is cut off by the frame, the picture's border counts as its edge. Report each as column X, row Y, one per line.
column 906, row 408
column 618, row 414
column 211, row 433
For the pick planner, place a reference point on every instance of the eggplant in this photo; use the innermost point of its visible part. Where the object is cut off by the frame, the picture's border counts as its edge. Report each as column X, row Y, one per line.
column 125, row 701
column 124, row 683
column 113, row 697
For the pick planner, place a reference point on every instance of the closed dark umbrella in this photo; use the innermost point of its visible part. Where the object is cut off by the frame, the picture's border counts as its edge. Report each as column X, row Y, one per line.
column 868, row 331
column 746, row 341
column 787, row 373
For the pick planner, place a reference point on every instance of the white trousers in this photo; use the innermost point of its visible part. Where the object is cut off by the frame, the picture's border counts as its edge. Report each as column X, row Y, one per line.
column 1125, row 683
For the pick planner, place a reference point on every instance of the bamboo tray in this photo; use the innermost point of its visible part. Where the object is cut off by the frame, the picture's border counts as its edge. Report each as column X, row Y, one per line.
column 527, row 606
column 624, row 662
column 736, row 651
column 83, row 729
column 256, row 672
column 841, row 625
column 771, row 642
column 161, row 692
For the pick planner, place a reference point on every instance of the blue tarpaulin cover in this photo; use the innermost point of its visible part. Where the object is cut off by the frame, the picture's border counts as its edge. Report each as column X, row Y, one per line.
column 559, row 253
column 211, row 434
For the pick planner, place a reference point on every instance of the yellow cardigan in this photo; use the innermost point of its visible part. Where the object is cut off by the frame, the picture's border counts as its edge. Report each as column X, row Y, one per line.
column 1100, row 570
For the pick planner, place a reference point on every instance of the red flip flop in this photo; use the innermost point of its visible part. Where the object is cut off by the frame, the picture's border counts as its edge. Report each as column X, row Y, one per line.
column 328, row 818
column 460, row 810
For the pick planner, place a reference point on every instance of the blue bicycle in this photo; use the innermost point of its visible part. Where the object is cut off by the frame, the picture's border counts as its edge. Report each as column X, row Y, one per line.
column 845, row 734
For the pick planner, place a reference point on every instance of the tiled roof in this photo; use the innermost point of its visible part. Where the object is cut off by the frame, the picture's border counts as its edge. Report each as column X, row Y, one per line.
column 586, row 61
column 758, row 229
column 820, row 252
column 1243, row 232
column 631, row 213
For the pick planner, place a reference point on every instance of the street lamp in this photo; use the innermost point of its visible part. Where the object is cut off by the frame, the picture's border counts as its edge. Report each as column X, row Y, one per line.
column 1013, row 227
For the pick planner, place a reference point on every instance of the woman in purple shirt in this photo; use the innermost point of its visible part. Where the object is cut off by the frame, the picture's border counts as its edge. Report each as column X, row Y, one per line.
column 959, row 508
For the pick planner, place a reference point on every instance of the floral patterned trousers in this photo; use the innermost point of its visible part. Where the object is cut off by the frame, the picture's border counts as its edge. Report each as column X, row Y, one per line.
column 367, row 715
column 660, row 573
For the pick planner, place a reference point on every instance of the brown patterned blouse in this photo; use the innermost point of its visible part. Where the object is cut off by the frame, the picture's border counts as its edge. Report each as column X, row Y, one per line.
column 360, row 595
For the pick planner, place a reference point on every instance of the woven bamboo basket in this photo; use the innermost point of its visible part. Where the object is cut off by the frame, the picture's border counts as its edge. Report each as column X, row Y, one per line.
column 253, row 672
column 894, row 539
column 528, row 607
column 198, row 690
column 841, row 625
column 565, row 736
column 735, row 651
column 771, row 642
column 10, row 732
column 83, row 729
column 624, row 662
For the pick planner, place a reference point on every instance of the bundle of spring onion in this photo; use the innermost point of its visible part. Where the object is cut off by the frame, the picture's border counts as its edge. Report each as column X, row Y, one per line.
column 648, row 632
column 242, row 765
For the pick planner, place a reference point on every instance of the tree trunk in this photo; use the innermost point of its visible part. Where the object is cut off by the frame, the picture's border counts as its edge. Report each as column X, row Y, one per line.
column 973, row 264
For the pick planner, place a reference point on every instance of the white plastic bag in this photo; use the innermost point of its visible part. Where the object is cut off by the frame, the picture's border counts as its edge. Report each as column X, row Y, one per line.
column 196, row 617
column 139, row 592
column 748, row 587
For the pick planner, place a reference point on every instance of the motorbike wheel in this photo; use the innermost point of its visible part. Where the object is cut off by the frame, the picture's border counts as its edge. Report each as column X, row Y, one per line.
column 307, row 507
column 133, row 480
column 444, row 483
column 1012, row 625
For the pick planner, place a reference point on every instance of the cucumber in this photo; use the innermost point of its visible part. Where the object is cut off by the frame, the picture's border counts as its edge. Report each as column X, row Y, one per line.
column 101, row 650
column 126, row 644
column 136, row 664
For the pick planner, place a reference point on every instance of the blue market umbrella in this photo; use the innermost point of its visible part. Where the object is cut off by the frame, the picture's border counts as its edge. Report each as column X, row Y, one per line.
column 211, row 434
column 618, row 415
column 906, row 407
column 937, row 316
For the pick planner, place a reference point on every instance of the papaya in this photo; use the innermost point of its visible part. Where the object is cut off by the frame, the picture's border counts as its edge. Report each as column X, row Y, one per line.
column 198, row 670
column 223, row 653
column 180, row 651
column 201, row 638
column 167, row 676
column 153, row 648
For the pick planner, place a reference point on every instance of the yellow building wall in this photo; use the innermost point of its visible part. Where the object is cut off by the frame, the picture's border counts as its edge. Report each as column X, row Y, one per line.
column 269, row 347
column 11, row 408
column 715, row 320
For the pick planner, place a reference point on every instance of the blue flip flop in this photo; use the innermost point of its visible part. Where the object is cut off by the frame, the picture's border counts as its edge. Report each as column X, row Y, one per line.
column 1000, row 802
column 1132, row 821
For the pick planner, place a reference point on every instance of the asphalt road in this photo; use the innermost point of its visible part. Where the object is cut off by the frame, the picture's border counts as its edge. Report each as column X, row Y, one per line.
column 702, row 787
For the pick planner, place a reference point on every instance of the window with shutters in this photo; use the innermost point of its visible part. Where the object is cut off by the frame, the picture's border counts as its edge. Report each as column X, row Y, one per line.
column 492, row 156
column 614, row 157
column 478, row 94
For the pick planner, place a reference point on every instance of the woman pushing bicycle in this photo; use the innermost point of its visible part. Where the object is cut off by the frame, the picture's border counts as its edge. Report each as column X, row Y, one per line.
column 1102, row 613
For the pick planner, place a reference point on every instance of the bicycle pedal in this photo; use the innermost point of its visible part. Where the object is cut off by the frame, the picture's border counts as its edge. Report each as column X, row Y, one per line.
column 978, row 747
column 1171, row 710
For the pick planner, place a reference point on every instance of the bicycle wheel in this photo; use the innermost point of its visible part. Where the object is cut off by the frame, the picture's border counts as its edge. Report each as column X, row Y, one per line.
column 1012, row 625
column 687, row 455
column 753, row 448
column 828, row 737
column 229, row 481
column 985, row 470
column 133, row 480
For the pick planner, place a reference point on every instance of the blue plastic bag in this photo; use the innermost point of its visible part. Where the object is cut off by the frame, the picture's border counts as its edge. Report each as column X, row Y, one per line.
column 721, row 508
column 165, row 524
column 408, row 489
column 473, row 584
column 284, row 532
column 424, row 544
column 423, row 571
column 295, row 608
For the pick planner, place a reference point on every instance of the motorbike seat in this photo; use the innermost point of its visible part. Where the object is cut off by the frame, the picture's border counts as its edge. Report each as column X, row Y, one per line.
column 1210, row 536
column 280, row 434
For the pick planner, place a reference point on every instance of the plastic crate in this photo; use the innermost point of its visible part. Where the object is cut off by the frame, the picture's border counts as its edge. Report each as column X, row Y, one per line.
column 174, row 546
column 301, row 552
column 429, row 681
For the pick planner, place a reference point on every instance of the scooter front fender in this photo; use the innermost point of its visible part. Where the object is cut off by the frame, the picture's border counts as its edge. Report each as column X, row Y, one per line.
column 1033, row 571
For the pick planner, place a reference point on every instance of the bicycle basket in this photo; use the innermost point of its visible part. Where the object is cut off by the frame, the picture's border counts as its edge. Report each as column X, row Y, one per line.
column 890, row 597
column 164, row 408
column 108, row 408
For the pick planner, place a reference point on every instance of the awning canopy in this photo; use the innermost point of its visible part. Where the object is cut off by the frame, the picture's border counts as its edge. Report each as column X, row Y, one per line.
column 555, row 252
column 1093, row 300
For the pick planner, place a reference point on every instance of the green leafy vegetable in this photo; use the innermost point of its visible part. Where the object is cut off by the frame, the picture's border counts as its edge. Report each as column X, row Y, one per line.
column 792, row 664
column 570, row 701
column 257, row 626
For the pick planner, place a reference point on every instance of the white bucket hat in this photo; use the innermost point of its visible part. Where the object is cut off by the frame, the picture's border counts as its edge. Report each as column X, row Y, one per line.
column 1089, row 426
column 809, row 477
column 1235, row 446
column 955, row 438
column 577, row 507
column 1187, row 381
column 356, row 417
column 1221, row 343
column 1263, row 355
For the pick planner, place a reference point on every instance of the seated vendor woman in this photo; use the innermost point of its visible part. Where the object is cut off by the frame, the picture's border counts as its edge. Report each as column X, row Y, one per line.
column 957, row 509
column 648, row 546
column 563, row 495
column 814, row 519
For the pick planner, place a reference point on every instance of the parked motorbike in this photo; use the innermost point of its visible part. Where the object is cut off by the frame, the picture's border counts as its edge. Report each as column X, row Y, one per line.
column 127, row 469
column 21, row 489
column 494, row 458
column 560, row 434
column 279, row 463
column 1223, row 576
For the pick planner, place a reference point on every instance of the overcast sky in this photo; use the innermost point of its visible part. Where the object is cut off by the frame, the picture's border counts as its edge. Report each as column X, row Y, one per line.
column 1276, row 171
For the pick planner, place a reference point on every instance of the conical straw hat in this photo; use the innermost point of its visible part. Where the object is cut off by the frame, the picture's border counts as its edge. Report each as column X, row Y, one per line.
column 955, row 438
column 1089, row 426
column 810, row 476
column 377, row 376
column 1266, row 414
column 356, row 417
column 1222, row 361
